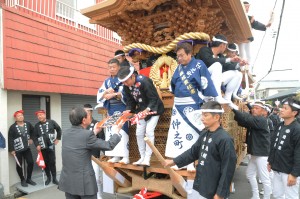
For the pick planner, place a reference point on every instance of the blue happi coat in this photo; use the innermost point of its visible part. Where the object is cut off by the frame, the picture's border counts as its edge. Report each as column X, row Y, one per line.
column 189, row 84
column 113, row 105
column 198, row 76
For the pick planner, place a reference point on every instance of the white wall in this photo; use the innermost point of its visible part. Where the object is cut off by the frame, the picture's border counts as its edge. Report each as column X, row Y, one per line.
column 4, row 175
column 4, row 164
column 14, row 102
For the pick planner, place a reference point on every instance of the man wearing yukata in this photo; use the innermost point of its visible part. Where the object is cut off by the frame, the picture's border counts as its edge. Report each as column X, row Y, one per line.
column 110, row 97
column 190, row 83
column 284, row 158
column 216, row 156
column 142, row 97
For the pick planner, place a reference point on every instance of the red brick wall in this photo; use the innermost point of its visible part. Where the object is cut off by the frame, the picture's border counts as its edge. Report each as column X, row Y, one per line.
column 40, row 55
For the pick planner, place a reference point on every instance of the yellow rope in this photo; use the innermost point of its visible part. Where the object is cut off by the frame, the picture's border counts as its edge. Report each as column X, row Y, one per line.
column 170, row 46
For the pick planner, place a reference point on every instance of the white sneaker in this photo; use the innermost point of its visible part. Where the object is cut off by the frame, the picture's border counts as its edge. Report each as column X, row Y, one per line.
column 191, row 168
column 114, row 160
column 139, row 161
column 221, row 100
column 146, row 161
column 125, row 160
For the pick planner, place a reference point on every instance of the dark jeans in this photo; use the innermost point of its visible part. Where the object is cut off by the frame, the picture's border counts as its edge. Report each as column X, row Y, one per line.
column 28, row 158
column 50, row 162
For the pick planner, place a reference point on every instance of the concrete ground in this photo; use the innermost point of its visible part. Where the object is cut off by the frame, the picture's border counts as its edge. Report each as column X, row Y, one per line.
column 241, row 185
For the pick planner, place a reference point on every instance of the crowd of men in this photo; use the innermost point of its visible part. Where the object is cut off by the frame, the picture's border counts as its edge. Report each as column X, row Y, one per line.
column 272, row 141
column 195, row 131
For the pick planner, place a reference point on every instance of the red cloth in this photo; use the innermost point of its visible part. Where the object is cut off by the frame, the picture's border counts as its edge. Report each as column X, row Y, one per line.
column 17, row 112
column 145, row 71
column 40, row 160
column 39, row 111
column 143, row 194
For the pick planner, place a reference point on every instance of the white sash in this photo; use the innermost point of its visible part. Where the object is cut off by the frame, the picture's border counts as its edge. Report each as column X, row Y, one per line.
column 188, row 135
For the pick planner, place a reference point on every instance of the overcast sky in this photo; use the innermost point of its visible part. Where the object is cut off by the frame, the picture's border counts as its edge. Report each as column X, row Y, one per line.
column 287, row 53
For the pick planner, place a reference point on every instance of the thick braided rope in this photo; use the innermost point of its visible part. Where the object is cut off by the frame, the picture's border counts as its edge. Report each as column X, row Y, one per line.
column 170, row 46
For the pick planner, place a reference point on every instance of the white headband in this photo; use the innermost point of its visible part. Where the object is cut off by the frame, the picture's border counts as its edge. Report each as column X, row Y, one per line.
column 123, row 54
column 257, row 104
column 268, row 109
column 230, row 49
column 130, row 73
column 293, row 104
column 212, row 110
column 219, row 40
column 89, row 109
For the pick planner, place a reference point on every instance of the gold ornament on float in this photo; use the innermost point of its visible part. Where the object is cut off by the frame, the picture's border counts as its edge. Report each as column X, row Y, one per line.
column 162, row 71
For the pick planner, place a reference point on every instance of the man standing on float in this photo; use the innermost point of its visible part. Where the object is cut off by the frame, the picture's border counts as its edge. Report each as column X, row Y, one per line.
column 190, row 83
column 110, row 97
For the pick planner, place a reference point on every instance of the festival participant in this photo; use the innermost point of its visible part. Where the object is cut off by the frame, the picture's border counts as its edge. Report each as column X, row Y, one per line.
column 77, row 177
column 215, row 61
column 142, row 97
column 284, row 158
column 19, row 138
column 120, row 56
column 232, row 79
column 258, row 146
column 216, row 156
column 274, row 116
column 190, row 84
column 110, row 97
column 45, row 139
column 245, row 50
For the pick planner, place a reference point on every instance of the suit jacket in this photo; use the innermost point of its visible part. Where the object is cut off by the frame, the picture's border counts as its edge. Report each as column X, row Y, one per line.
column 77, row 175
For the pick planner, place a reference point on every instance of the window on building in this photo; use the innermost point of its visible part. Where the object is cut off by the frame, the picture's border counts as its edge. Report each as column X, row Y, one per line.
column 70, row 9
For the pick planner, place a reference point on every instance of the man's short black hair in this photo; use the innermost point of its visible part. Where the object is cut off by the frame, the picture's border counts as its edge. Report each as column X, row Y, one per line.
column 232, row 46
column 218, row 43
column 119, row 52
column 87, row 106
column 212, row 105
column 246, row 2
column 76, row 115
column 187, row 47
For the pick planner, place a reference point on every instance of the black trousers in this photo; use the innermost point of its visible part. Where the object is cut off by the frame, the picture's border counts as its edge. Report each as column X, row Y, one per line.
column 28, row 158
column 70, row 196
column 50, row 162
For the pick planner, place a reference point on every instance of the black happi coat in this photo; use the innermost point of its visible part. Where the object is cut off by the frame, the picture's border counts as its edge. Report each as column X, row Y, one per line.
column 285, row 149
column 258, row 132
column 207, row 56
column 216, row 163
column 13, row 134
column 142, row 95
column 52, row 126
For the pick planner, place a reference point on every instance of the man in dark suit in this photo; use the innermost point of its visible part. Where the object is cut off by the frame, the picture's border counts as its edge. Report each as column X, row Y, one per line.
column 77, row 178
